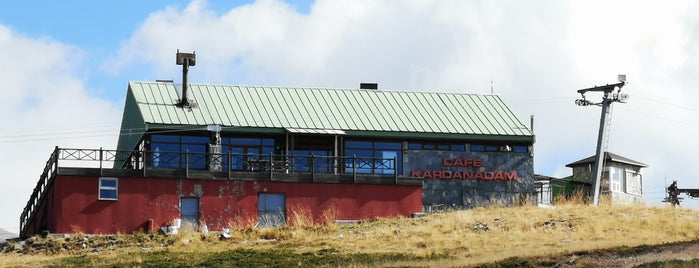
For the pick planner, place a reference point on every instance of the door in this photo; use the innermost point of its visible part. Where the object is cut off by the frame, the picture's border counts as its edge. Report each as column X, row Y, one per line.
column 271, row 210
column 189, row 209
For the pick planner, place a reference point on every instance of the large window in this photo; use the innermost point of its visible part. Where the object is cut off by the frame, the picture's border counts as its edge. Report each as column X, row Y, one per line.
column 245, row 152
column 171, row 151
column 374, row 157
column 108, row 189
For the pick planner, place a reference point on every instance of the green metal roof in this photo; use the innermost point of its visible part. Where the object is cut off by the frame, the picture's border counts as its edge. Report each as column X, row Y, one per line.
column 354, row 111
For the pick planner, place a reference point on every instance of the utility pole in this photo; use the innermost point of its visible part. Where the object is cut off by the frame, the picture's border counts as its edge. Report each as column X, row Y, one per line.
column 608, row 98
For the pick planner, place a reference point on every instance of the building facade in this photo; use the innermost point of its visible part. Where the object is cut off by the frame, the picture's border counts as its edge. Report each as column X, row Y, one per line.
column 621, row 177
column 238, row 155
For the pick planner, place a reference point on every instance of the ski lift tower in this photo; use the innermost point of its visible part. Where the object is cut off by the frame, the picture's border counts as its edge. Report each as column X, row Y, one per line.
column 608, row 98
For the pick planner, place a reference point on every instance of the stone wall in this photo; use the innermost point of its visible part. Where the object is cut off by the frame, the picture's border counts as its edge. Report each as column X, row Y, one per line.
column 471, row 179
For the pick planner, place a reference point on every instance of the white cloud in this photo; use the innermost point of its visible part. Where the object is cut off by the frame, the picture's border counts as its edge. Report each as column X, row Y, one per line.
column 536, row 54
column 45, row 104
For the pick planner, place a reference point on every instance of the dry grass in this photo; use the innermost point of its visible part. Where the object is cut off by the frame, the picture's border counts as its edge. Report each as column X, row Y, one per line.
column 443, row 239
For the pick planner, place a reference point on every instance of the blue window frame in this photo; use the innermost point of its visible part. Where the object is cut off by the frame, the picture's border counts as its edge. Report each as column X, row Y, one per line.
column 108, row 189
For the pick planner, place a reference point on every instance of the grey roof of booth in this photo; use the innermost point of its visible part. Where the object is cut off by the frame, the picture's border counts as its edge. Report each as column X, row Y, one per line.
column 356, row 112
column 607, row 157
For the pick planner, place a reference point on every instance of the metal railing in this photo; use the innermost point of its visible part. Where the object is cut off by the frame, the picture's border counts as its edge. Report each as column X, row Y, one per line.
column 223, row 162
column 39, row 193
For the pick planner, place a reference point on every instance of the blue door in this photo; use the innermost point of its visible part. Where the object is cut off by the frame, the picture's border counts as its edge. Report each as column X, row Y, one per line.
column 189, row 208
column 271, row 210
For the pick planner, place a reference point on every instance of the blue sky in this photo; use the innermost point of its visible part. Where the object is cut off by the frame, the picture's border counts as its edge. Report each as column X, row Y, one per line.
column 98, row 28
column 67, row 65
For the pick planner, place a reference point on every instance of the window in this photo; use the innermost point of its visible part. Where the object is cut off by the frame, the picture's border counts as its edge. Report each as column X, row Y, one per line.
column 477, row 148
column 374, row 157
column 499, row 148
column 436, row 146
column 520, row 149
column 170, row 151
column 244, row 150
column 633, row 183
column 617, row 180
column 108, row 189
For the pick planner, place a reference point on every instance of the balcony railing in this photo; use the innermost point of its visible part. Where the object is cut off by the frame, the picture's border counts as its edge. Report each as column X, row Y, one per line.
column 145, row 161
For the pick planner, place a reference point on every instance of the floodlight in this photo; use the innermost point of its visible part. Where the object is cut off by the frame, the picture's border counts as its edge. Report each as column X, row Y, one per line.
column 189, row 57
column 621, row 78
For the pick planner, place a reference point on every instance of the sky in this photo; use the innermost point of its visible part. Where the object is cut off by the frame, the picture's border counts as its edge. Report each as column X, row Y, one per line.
column 66, row 66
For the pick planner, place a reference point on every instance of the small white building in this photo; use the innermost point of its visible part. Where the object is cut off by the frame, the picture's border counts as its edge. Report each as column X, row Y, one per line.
column 621, row 177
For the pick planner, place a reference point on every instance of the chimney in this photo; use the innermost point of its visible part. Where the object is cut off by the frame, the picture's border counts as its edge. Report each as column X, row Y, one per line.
column 186, row 60
column 373, row 86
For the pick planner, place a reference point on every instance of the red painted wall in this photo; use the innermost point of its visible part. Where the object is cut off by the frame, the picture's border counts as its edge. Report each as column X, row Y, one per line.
column 74, row 205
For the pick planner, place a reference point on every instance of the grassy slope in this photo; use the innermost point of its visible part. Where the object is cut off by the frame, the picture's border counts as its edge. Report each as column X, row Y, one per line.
column 443, row 239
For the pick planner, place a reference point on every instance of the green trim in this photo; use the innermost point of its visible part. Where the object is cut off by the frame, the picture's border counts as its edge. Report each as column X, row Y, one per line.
column 352, row 133
column 423, row 135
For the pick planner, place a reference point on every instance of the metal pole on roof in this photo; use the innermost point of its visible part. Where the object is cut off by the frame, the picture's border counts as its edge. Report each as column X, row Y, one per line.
column 608, row 98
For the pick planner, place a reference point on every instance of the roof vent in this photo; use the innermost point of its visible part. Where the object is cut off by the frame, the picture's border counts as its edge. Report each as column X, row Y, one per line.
column 373, row 86
column 186, row 60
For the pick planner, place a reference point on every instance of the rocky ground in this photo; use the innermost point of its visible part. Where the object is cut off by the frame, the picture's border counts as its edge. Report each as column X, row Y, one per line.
column 687, row 252
column 680, row 254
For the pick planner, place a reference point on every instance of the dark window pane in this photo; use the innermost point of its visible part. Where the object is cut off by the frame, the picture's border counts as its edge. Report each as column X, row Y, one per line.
column 165, row 147
column 195, row 139
column 268, row 142
column 443, row 147
column 477, row 148
column 245, row 141
column 428, row 147
column 358, row 144
column 193, row 148
column 165, row 138
column 491, row 148
column 458, row 147
column 108, row 194
column 358, row 153
column 388, row 145
column 267, row 150
column 414, row 146
column 108, row 183
column 520, row 149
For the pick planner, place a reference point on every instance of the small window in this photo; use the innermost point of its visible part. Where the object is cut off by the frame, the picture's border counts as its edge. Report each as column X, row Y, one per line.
column 520, row 149
column 477, row 148
column 414, row 146
column 108, row 189
column 458, row 147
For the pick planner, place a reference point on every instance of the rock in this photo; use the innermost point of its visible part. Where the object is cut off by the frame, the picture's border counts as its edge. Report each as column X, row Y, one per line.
column 480, row 227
